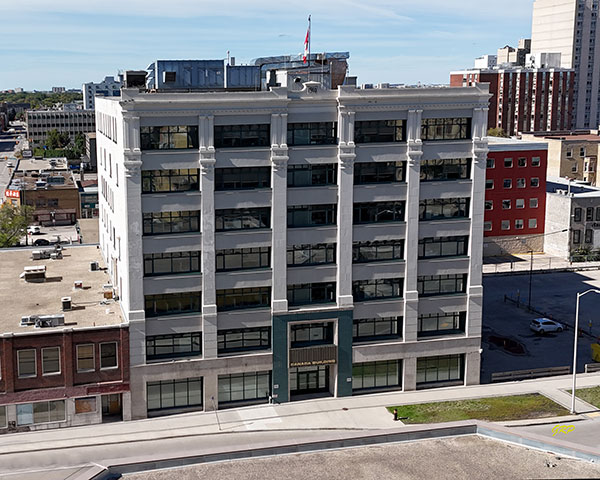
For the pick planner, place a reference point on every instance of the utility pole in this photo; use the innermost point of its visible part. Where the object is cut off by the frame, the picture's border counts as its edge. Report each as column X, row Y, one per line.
column 530, row 279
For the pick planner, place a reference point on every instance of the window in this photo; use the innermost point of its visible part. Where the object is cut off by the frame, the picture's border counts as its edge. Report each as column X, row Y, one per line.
column 434, row 247
column 242, row 178
column 307, row 293
column 589, row 236
column 577, row 214
column 242, row 219
column 376, row 375
column 363, row 252
column 533, row 203
column 378, row 131
column 521, row 183
column 41, row 412
column 365, row 290
column 311, row 215
column 173, row 346
column 173, row 304
column 574, row 168
column 231, row 136
column 303, row 255
column 489, row 184
column 379, row 172
column 310, row 334
column 312, row 175
column 26, row 362
column 378, row 212
column 50, row 360
column 244, row 387
column 582, row 151
column 431, row 285
column 158, row 181
column 489, row 204
column 577, row 236
column 505, row 204
column 85, row 358
column 108, row 355
column 535, row 161
column 507, row 183
column 442, row 369
column 85, row 405
column 440, row 208
column 315, row 133
column 487, row 226
column 597, row 214
column 505, row 225
column 243, row 258
column 532, row 223
column 519, row 224
column 589, row 214
column 243, row 339
column 445, row 169
column 522, row 162
column 365, row 329
column 508, row 163
column 3, row 417
column 169, row 138
column 171, row 263
column 535, row 182
column 167, row 394
column 241, row 298
column 160, row 223
column 490, row 163
column 446, row 129
column 436, row 324
column 520, row 203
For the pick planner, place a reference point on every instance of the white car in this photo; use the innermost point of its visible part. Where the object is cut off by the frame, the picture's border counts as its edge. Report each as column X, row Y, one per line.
column 34, row 230
column 545, row 325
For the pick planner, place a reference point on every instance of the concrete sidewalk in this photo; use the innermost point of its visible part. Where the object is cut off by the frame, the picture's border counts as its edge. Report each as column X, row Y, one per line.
column 365, row 412
column 542, row 262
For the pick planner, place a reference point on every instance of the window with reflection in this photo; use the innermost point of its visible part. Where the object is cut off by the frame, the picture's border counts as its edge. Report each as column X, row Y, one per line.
column 445, row 129
column 242, row 219
column 160, row 223
column 177, row 180
column 364, row 252
column 379, row 172
column 169, row 137
column 445, row 169
column 242, row 178
column 433, row 247
column 442, row 208
column 378, row 212
column 379, row 131
column 254, row 135
column 304, row 255
column 314, row 133
column 171, row 263
column 312, row 175
column 365, row 290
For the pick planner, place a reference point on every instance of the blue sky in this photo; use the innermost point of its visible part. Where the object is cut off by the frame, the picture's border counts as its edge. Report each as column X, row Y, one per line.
column 49, row 43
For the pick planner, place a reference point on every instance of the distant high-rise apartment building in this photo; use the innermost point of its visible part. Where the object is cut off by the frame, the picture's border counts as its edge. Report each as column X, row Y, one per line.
column 109, row 87
column 59, row 89
column 569, row 27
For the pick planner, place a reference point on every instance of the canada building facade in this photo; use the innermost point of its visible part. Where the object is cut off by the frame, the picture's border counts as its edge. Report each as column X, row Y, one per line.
column 283, row 243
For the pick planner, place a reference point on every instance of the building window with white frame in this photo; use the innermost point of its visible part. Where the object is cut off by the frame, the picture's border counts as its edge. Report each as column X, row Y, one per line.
column 26, row 363
column 50, row 361
column 533, row 223
column 533, row 203
column 85, row 358
column 505, row 225
column 519, row 224
column 507, row 183
column 487, row 226
column 108, row 355
column 535, row 182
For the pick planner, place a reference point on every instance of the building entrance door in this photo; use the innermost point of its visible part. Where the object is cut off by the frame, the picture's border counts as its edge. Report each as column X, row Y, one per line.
column 313, row 379
column 111, row 407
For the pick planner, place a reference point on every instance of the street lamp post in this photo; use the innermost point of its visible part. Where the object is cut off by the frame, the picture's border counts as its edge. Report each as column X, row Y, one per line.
column 530, row 279
column 579, row 295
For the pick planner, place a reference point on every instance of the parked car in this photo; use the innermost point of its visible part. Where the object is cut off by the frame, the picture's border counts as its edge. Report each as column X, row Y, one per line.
column 34, row 230
column 41, row 242
column 545, row 325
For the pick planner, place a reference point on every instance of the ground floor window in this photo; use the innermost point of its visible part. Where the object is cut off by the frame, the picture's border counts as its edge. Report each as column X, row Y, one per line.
column 311, row 379
column 442, row 369
column 85, row 405
column 242, row 387
column 186, row 392
column 371, row 375
column 2, row 417
column 41, row 412
column 441, row 324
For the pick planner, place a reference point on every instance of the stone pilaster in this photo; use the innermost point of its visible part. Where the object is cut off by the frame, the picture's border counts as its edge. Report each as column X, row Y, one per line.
column 413, row 172
column 345, row 171
column 279, row 159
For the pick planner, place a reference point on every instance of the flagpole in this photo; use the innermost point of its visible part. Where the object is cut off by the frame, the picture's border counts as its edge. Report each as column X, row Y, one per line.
column 309, row 40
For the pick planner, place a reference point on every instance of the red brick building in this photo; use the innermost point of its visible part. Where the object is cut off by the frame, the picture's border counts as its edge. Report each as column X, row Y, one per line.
column 524, row 99
column 515, row 197
column 73, row 369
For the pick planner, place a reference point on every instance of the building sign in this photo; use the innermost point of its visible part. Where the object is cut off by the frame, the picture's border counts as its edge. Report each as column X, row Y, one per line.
column 12, row 193
column 309, row 356
column 312, row 363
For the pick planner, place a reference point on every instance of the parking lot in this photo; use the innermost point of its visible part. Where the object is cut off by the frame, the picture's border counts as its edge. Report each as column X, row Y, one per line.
column 506, row 327
column 67, row 233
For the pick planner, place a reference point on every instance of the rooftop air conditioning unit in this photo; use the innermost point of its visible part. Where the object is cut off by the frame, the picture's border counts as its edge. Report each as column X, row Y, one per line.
column 93, row 266
column 44, row 321
column 66, row 303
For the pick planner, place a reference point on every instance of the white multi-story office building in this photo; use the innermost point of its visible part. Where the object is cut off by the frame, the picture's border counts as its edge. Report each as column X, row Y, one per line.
column 294, row 241
column 569, row 27
column 40, row 122
column 109, row 87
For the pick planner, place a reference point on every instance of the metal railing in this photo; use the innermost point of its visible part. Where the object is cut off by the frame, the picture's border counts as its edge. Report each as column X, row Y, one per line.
column 531, row 373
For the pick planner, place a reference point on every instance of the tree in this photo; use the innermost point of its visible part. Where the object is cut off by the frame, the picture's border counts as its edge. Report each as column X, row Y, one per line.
column 497, row 132
column 79, row 144
column 13, row 221
column 56, row 139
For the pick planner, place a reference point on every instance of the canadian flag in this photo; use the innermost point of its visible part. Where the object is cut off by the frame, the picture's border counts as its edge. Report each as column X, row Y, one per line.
column 307, row 43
